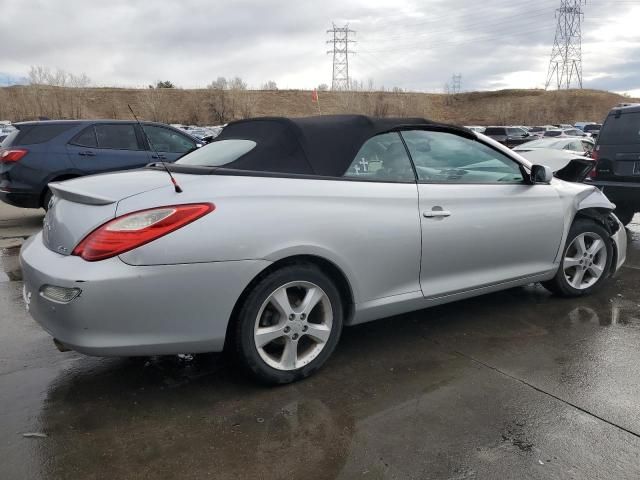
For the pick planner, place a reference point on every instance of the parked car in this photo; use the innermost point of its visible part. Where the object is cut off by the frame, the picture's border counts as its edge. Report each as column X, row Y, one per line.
column 592, row 129
column 37, row 153
column 5, row 130
column 285, row 230
column 581, row 125
column 564, row 132
column 565, row 164
column 580, row 146
column 537, row 131
column 508, row 136
column 617, row 154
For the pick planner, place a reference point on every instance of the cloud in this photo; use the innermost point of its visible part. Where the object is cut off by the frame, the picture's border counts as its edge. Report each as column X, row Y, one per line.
column 415, row 44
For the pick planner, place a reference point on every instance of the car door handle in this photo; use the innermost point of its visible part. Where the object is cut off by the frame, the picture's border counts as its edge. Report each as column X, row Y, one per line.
column 159, row 157
column 436, row 213
column 87, row 154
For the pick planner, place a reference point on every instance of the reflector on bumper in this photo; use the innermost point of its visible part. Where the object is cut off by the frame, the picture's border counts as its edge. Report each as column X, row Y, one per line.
column 59, row 294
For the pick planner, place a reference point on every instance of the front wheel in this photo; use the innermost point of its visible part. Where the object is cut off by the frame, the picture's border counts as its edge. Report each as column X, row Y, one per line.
column 586, row 260
column 289, row 324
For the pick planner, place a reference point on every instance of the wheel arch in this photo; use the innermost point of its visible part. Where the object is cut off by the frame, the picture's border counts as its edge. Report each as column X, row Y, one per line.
column 326, row 266
column 602, row 217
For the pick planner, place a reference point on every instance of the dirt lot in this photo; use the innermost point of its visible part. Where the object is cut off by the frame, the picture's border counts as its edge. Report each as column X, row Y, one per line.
column 517, row 384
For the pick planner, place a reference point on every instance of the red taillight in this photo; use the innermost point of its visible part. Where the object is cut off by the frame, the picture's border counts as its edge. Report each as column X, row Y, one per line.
column 11, row 155
column 138, row 228
column 594, row 157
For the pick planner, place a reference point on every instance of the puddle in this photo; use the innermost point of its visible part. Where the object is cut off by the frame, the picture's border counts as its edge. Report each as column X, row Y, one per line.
column 622, row 312
column 10, row 265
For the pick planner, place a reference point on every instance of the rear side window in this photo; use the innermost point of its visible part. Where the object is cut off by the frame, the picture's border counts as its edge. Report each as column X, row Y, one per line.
column 382, row 158
column 622, row 130
column 86, row 138
column 494, row 131
column 552, row 133
column 33, row 134
column 117, row 136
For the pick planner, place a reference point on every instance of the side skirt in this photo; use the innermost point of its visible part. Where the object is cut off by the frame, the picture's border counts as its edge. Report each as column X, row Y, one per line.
column 398, row 304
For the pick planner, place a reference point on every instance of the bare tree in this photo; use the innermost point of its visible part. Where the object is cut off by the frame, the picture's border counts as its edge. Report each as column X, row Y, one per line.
column 219, row 84
column 270, row 85
column 236, row 83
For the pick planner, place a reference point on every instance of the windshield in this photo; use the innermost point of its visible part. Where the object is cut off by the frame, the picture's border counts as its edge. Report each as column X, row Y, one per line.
column 218, row 153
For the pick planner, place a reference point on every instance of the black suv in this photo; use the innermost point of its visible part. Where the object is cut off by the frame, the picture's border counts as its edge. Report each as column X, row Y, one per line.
column 37, row 153
column 617, row 156
column 509, row 136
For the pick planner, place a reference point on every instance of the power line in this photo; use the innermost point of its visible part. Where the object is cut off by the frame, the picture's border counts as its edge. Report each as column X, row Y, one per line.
column 340, row 40
column 456, row 79
column 565, row 65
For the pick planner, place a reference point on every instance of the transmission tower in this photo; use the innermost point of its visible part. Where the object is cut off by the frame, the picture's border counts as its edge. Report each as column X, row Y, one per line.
column 340, row 40
column 565, row 65
column 456, row 80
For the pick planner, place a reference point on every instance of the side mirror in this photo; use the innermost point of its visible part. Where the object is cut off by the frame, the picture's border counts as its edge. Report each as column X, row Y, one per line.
column 541, row 174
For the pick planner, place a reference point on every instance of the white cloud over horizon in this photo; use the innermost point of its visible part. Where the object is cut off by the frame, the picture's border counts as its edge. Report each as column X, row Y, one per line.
column 412, row 44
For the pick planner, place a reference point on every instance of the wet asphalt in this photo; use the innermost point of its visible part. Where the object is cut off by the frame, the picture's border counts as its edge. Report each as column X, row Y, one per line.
column 514, row 385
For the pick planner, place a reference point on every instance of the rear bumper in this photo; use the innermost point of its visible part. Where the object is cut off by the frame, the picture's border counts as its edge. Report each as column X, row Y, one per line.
column 126, row 310
column 20, row 199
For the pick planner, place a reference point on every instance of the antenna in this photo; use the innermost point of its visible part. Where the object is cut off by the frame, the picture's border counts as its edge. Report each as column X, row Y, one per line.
column 173, row 180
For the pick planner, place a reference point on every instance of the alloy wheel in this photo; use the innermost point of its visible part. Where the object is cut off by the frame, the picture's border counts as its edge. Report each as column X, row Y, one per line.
column 585, row 260
column 293, row 325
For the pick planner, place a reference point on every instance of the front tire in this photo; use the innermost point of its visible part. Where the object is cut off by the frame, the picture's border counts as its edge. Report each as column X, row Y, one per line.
column 289, row 324
column 586, row 260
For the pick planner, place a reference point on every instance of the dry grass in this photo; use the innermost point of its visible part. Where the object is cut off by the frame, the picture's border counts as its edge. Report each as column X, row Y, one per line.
column 207, row 106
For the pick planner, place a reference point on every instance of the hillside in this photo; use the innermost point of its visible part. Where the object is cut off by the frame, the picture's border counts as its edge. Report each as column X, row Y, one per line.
column 206, row 106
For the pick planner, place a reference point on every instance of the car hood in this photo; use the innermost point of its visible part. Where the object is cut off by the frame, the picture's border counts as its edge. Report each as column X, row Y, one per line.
column 565, row 165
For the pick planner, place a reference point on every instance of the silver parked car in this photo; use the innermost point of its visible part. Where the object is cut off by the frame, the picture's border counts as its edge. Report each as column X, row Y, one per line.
column 282, row 231
column 578, row 146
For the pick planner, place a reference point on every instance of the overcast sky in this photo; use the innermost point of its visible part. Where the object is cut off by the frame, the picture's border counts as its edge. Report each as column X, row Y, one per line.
column 412, row 44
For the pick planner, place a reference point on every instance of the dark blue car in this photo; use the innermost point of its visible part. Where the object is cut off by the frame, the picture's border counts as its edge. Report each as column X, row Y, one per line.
column 41, row 152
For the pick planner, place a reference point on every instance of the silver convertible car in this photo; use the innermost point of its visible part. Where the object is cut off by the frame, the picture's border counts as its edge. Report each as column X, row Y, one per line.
column 282, row 231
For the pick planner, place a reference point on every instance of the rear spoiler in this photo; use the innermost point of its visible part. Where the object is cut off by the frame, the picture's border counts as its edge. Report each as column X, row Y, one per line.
column 77, row 195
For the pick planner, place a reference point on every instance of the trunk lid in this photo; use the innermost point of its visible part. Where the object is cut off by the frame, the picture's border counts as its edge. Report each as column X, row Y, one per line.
column 81, row 205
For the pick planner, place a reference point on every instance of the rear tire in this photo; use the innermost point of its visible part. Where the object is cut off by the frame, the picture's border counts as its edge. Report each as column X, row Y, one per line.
column 625, row 215
column 586, row 260
column 289, row 324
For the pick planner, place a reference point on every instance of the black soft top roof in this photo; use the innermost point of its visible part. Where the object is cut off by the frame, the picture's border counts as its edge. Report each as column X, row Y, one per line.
column 321, row 145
